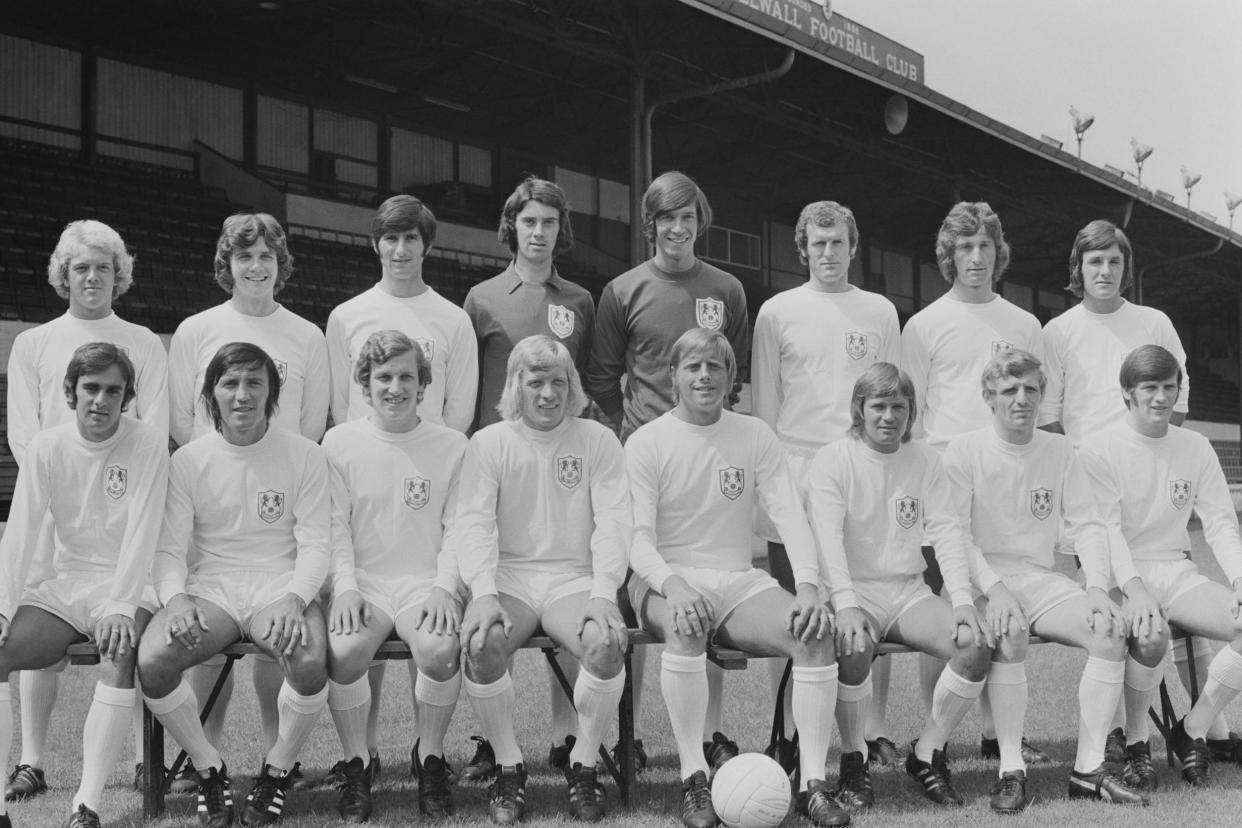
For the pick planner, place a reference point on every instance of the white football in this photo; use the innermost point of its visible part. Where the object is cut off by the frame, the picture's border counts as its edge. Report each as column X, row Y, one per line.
column 751, row 791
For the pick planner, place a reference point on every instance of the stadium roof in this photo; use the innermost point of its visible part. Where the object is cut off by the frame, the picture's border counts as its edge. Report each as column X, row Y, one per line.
column 556, row 80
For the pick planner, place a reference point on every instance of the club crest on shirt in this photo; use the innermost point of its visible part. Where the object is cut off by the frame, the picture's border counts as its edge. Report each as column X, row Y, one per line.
column 560, row 320
column 282, row 368
column 999, row 345
column 732, row 482
column 116, row 480
column 417, row 492
column 855, row 344
column 428, row 346
column 569, row 471
column 271, row 505
column 709, row 313
column 1041, row 503
column 1179, row 493
column 907, row 511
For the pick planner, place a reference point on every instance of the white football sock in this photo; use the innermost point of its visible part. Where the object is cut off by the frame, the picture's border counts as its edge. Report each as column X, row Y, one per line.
column 1137, row 695
column 38, row 698
column 564, row 717
column 683, row 681
column 6, row 728
column 350, row 705
column 853, row 702
column 951, row 700
column 375, row 677
column 1224, row 682
column 201, row 678
column 298, row 717
column 436, row 701
column 713, row 719
column 178, row 712
column 493, row 707
column 814, row 703
column 1008, row 694
column 1098, row 694
column 596, row 699
column 103, row 738
column 1203, row 654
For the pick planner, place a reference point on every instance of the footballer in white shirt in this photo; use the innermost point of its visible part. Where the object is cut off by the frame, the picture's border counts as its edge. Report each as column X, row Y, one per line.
column 697, row 473
column 543, row 524
column 1017, row 490
column 394, row 492
column 101, row 479
column 1148, row 477
column 872, row 498
column 242, row 555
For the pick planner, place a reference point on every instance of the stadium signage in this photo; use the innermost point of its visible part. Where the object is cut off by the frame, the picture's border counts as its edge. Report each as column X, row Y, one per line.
column 812, row 25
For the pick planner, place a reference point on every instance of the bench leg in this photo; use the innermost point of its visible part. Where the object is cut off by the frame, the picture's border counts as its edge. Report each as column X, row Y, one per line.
column 625, row 736
column 155, row 781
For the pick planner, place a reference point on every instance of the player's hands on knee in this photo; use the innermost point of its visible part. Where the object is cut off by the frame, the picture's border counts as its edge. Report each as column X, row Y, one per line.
column 350, row 613
column 115, row 636
column 286, row 627
column 968, row 616
column 1144, row 616
column 183, row 622
column 607, row 616
column 483, row 612
column 1004, row 613
column 688, row 613
column 441, row 612
column 807, row 616
column 854, row 633
column 1104, row 617
column 4, row 629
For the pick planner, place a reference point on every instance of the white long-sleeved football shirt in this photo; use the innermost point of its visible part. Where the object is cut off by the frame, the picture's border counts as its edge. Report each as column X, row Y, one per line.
column 393, row 499
column 296, row 346
column 544, row 501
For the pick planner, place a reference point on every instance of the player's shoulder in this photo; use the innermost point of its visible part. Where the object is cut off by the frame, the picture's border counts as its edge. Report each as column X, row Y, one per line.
column 1064, row 320
column 302, row 326
column 442, row 435
column 342, row 435
column 783, row 302
column 354, row 304
column 1182, row 436
column 625, row 283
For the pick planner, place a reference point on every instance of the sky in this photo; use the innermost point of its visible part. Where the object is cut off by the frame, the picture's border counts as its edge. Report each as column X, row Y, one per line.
column 1165, row 73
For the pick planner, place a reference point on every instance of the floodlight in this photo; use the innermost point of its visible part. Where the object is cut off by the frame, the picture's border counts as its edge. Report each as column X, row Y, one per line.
column 1189, row 180
column 1141, row 153
column 1082, row 122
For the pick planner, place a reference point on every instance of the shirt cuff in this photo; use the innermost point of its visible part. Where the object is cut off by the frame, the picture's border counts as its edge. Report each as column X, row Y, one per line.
column 605, row 587
column 962, row 597
column 115, row 607
column 483, row 584
column 987, row 579
column 344, row 584
column 844, row 599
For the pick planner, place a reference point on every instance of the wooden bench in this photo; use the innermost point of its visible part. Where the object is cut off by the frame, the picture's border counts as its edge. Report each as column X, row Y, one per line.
column 156, row 780
column 1164, row 720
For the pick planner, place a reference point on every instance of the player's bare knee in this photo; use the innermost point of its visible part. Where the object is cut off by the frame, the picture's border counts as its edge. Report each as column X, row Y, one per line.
column 437, row 656
column 685, row 645
column 347, row 664
column 854, row 668
column 1106, row 644
column 1011, row 648
column 602, row 657
column 305, row 674
column 1149, row 650
column 817, row 652
column 488, row 663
